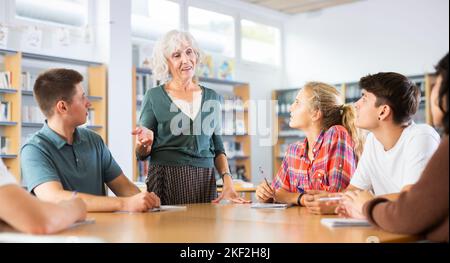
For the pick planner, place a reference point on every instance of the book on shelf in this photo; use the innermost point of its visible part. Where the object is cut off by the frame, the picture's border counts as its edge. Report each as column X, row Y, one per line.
column 284, row 100
column 228, row 123
column 233, row 149
column 32, row 114
column 26, row 81
column 233, row 103
column 5, row 145
column 143, row 83
column 5, row 111
column 239, row 149
column 6, row 80
column 240, row 124
column 206, row 67
column 91, row 117
column 142, row 170
column 239, row 104
column 225, row 69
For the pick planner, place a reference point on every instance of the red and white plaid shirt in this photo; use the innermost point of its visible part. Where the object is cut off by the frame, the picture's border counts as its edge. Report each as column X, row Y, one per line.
column 331, row 169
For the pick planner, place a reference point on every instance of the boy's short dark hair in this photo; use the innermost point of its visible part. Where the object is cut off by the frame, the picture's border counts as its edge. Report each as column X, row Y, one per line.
column 55, row 85
column 395, row 90
column 442, row 70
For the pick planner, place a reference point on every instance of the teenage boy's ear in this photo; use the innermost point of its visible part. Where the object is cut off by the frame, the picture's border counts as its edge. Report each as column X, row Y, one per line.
column 384, row 113
column 61, row 106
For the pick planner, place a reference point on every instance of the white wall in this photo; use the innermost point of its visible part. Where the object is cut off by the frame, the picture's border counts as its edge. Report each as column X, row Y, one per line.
column 120, row 121
column 346, row 42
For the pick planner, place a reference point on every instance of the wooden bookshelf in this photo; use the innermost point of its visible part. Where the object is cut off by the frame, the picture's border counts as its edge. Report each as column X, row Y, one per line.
column 282, row 135
column 137, row 103
column 13, row 129
column 98, row 98
column 242, row 90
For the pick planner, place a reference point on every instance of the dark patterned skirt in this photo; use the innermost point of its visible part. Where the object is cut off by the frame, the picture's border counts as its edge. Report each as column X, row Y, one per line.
column 182, row 184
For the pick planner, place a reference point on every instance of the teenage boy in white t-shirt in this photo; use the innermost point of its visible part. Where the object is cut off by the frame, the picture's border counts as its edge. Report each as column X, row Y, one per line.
column 396, row 150
column 27, row 214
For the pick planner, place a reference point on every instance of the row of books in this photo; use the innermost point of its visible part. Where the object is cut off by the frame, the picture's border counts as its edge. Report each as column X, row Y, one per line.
column 352, row 92
column 32, row 114
column 5, row 145
column 28, row 80
column 142, row 170
column 91, row 117
column 233, row 124
column 143, row 83
column 234, row 103
column 6, row 80
column 217, row 67
column 5, row 111
column 233, row 149
column 284, row 101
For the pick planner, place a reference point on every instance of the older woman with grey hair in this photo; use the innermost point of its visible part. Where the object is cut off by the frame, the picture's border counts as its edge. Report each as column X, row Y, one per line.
column 180, row 128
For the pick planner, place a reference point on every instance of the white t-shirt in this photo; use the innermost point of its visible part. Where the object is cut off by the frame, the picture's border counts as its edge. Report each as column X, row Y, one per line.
column 387, row 172
column 5, row 176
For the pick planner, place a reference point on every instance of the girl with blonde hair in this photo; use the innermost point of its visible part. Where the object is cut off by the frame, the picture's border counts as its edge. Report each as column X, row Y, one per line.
column 326, row 159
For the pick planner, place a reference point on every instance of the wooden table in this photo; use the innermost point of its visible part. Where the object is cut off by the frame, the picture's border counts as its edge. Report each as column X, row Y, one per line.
column 245, row 192
column 225, row 223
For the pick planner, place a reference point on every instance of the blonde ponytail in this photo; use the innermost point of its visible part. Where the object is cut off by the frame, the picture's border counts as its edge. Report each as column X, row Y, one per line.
column 348, row 121
column 329, row 101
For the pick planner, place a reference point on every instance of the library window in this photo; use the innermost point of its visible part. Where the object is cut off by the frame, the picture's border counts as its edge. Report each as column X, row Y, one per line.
column 149, row 18
column 213, row 31
column 63, row 12
column 260, row 43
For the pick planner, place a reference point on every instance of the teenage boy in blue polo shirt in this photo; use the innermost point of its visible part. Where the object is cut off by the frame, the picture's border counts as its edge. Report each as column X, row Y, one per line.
column 63, row 159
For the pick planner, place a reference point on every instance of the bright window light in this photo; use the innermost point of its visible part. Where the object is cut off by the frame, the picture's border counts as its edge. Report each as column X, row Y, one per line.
column 213, row 31
column 65, row 12
column 151, row 19
column 260, row 43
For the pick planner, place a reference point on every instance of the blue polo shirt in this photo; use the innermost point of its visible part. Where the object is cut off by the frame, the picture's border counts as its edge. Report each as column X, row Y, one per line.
column 85, row 166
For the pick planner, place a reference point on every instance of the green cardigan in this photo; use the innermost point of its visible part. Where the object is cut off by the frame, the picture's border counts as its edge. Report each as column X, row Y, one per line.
column 179, row 140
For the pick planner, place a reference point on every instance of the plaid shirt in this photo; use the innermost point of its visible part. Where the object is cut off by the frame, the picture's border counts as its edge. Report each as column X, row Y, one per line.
column 331, row 169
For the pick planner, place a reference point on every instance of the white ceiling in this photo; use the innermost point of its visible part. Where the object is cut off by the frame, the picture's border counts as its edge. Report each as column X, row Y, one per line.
column 298, row 6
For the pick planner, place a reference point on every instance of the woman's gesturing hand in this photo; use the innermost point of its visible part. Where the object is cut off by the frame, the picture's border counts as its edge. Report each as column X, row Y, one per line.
column 144, row 140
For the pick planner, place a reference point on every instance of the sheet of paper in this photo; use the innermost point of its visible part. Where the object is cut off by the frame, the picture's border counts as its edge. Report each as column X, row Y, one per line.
column 269, row 206
column 24, row 238
column 344, row 222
